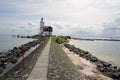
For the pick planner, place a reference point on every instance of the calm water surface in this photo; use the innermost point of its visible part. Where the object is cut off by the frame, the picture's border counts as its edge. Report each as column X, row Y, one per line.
column 108, row 51
column 7, row 42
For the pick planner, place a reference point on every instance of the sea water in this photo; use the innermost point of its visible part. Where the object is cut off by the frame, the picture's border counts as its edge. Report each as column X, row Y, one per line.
column 7, row 42
column 108, row 51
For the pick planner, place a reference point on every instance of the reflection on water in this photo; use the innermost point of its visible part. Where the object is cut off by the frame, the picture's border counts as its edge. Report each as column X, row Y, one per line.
column 105, row 50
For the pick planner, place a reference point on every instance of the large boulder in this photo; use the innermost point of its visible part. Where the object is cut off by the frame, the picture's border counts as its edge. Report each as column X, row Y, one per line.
column 86, row 52
column 99, row 64
column 81, row 54
column 114, row 69
column 93, row 59
column 76, row 51
column 119, row 69
column 18, row 53
column 15, row 48
column 3, row 59
column 106, row 64
column 102, row 69
column 3, row 64
column 115, row 75
column 1, row 69
column 13, row 60
column 3, row 55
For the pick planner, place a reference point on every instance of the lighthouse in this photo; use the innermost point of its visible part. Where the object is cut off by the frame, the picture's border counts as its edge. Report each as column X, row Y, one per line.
column 45, row 30
column 41, row 26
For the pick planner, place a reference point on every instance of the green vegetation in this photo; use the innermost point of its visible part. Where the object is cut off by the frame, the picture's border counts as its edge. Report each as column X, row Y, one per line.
column 60, row 40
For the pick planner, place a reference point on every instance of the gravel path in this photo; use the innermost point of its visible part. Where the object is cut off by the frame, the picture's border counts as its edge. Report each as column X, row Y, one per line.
column 60, row 66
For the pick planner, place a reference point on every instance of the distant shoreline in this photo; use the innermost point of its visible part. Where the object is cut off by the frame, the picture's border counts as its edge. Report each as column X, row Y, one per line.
column 88, row 39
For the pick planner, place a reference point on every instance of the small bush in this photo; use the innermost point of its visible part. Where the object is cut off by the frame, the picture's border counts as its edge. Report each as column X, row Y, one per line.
column 60, row 40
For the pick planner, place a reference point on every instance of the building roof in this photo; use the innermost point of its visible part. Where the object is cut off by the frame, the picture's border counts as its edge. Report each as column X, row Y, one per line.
column 48, row 28
column 45, row 26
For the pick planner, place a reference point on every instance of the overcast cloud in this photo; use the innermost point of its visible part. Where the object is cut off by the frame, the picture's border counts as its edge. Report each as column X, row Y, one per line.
column 68, row 17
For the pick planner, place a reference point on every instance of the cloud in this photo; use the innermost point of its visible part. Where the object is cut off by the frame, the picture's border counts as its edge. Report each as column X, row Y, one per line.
column 73, row 30
column 27, row 29
column 115, row 25
column 58, row 26
column 31, row 24
column 93, row 16
column 112, row 29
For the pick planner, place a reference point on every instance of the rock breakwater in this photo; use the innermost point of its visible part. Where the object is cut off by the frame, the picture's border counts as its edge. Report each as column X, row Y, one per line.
column 12, row 56
column 102, row 66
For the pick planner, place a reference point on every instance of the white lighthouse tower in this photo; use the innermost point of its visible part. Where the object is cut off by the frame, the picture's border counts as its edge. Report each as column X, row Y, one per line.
column 45, row 30
column 41, row 26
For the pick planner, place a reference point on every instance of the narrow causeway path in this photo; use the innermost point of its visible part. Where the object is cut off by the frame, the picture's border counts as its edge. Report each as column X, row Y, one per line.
column 40, row 69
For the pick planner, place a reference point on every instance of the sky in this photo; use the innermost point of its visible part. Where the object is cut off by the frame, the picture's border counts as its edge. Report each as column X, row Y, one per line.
column 67, row 17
